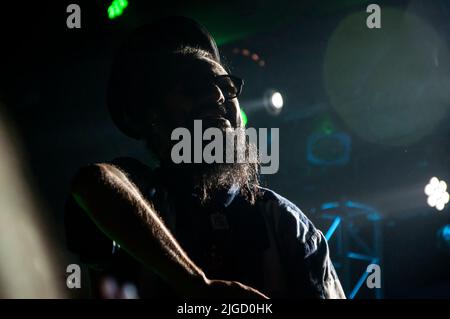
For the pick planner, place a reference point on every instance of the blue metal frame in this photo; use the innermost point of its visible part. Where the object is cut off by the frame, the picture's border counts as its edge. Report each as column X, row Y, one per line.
column 343, row 228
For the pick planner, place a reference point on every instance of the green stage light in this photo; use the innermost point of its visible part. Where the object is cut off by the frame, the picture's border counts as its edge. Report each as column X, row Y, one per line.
column 327, row 126
column 116, row 8
column 244, row 117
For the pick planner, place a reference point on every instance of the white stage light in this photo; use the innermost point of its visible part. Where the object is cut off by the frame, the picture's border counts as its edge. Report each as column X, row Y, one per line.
column 436, row 190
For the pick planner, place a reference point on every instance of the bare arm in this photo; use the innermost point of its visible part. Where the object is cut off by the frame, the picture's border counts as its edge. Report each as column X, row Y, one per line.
column 119, row 210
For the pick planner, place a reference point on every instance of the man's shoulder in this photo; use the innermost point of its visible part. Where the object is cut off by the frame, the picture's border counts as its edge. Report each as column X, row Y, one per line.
column 130, row 165
column 286, row 217
column 278, row 203
column 270, row 196
column 140, row 174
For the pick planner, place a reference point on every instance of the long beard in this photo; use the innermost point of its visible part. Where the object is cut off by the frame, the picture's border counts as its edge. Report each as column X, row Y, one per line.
column 217, row 177
column 208, row 179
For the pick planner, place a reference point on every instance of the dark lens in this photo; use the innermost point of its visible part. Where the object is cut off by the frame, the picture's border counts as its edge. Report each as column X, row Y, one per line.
column 228, row 87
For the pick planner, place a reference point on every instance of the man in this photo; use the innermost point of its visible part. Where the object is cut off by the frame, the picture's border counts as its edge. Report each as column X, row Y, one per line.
column 206, row 230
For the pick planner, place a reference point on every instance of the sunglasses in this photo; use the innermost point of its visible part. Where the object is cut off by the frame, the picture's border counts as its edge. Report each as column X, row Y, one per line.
column 231, row 86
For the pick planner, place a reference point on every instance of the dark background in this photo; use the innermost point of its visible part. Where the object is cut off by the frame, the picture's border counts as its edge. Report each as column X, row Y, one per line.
column 387, row 89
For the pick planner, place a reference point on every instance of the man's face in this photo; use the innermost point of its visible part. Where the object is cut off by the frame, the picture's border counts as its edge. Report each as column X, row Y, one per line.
column 201, row 92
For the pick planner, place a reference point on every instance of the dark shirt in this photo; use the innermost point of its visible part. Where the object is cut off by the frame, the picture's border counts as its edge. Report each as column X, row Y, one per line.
column 270, row 245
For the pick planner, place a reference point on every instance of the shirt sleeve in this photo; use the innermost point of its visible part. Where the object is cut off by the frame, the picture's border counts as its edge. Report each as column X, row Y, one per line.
column 303, row 252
